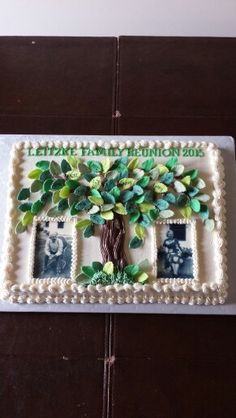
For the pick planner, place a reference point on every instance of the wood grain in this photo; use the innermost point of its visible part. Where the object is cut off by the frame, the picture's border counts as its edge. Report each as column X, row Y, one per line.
column 132, row 366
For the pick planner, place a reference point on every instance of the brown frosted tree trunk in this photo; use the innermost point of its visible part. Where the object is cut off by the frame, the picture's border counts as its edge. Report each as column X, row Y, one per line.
column 112, row 242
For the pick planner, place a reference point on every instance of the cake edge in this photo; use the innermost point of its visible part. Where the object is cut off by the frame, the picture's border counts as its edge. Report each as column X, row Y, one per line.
column 192, row 293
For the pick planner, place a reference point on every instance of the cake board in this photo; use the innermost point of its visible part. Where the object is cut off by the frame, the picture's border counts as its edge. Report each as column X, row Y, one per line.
column 226, row 144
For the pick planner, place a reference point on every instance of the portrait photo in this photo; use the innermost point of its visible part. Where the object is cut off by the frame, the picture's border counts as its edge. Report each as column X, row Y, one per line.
column 175, row 251
column 52, row 250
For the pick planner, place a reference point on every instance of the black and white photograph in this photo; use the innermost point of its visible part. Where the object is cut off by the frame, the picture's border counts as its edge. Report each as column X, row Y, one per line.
column 175, row 251
column 53, row 250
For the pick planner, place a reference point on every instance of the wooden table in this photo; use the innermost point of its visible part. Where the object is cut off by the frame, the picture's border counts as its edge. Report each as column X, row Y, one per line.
column 131, row 366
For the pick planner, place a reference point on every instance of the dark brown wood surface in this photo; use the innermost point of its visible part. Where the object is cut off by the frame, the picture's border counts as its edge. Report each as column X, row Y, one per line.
column 97, row 365
column 179, row 86
column 57, row 85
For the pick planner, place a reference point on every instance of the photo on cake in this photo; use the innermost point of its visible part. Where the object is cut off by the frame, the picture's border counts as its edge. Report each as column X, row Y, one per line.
column 52, row 249
column 176, row 251
column 141, row 221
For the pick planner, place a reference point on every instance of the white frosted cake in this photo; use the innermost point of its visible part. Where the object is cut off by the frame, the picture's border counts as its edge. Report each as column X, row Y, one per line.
column 128, row 222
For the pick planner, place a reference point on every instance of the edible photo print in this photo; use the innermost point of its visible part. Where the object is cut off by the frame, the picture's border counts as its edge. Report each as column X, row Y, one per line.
column 176, row 252
column 53, row 248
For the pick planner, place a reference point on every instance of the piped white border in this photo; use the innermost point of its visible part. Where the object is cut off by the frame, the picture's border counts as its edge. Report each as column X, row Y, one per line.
column 74, row 249
column 195, row 293
column 179, row 280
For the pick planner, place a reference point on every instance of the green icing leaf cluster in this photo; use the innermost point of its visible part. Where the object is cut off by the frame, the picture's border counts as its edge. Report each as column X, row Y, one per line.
column 107, row 274
column 142, row 191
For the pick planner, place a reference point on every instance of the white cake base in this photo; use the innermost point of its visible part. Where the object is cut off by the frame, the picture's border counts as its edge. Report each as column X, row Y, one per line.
column 199, row 292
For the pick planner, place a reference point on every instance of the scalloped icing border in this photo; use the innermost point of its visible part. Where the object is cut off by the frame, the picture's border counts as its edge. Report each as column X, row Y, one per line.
column 187, row 293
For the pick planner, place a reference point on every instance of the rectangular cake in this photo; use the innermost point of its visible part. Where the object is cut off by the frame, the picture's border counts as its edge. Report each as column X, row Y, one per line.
column 115, row 222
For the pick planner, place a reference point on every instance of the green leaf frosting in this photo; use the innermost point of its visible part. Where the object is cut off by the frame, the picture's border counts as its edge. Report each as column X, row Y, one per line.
column 141, row 190
column 37, row 207
column 108, row 268
column 27, row 218
column 25, row 207
column 132, row 269
column 88, row 271
column 20, row 228
column 171, row 163
column 43, row 165
column 64, row 192
column 97, row 219
column 166, row 213
column 210, row 224
column 88, row 231
column 23, row 194
column 57, row 184
column 148, row 164
column 47, row 185
column 140, row 231
column 83, row 223
column 35, row 174
column 36, row 186
column 195, row 205
column 94, row 166
column 54, row 168
column 97, row 266
column 160, row 188
column 135, row 243
column 65, row 166
column 53, row 212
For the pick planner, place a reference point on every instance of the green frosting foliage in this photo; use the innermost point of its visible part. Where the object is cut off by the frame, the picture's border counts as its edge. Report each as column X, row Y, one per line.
column 20, row 228
column 89, row 231
column 46, row 197
column 107, row 274
column 47, row 185
column 65, row 166
column 43, row 165
column 58, row 184
column 144, row 191
column 97, row 219
column 55, row 169
column 37, row 207
column 35, row 174
column 23, row 194
column 94, row 166
column 171, row 163
column 135, row 242
column 25, row 207
column 108, row 279
column 36, row 186
column 45, row 175
column 53, row 212
column 63, row 205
